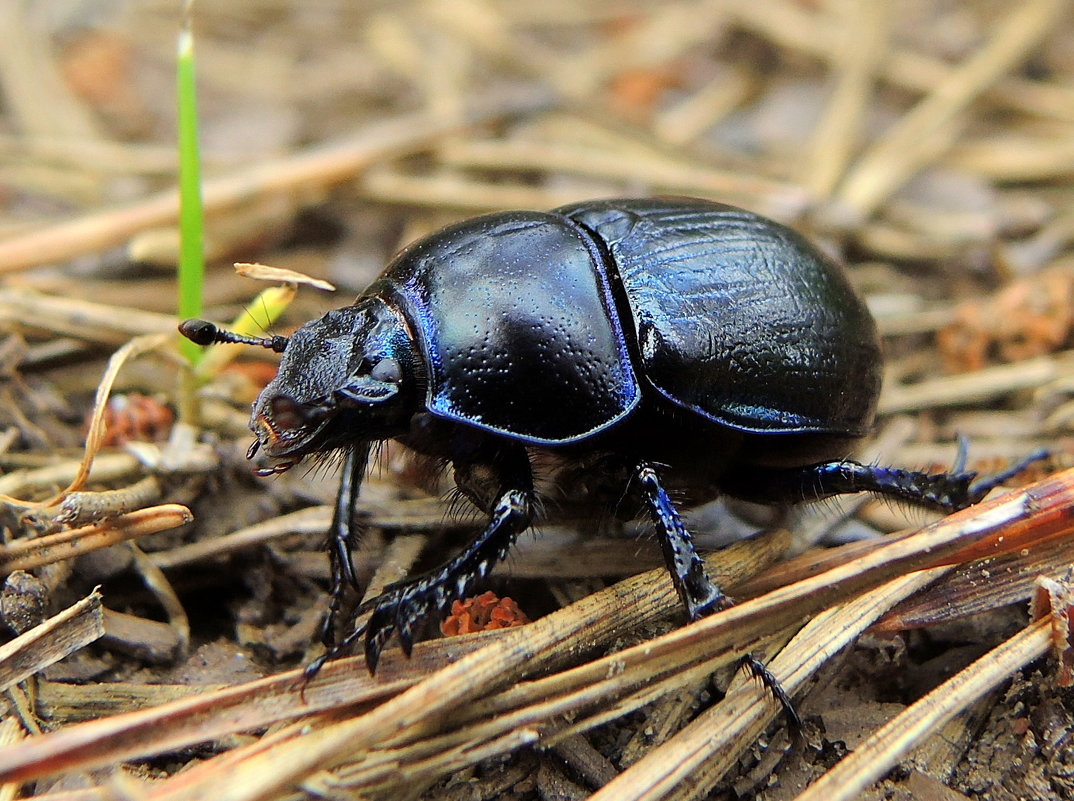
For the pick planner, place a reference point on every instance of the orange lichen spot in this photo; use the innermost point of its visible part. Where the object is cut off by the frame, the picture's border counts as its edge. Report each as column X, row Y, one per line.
column 483, row 613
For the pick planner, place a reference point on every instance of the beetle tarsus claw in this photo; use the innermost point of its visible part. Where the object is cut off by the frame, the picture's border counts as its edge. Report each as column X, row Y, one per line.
column 328, row 628
column 314, row 667
column 406, row 640
column 374, row 644
column 761, row 672
column 980, row 488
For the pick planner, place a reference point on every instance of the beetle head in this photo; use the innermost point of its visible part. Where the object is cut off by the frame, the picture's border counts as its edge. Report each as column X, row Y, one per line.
column 345, row 377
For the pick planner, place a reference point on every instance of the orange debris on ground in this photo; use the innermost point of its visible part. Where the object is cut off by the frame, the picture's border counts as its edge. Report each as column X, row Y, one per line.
column 483, row 613
column 136, row 418
column 1028, row 318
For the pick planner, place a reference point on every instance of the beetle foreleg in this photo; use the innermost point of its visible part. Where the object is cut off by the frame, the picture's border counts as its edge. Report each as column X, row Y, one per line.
column 402, row 605
column 342, row 535
column 405, row 603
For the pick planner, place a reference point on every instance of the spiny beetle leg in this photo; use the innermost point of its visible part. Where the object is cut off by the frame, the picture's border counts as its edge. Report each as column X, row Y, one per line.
column 946, row 492
column 401, row 606
column 761, row 672
column 335, row 651
column 699, row 594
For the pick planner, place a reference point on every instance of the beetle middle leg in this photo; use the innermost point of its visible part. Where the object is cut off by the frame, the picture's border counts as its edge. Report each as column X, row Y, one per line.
column 697, row 591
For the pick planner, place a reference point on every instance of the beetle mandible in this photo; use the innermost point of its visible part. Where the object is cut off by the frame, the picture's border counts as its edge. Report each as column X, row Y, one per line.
column 633, row 348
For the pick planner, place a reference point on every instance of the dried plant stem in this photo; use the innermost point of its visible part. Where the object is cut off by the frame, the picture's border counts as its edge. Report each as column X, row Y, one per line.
column 11, row 731
column 30, row 553
column 95, row 436
column 687, row 120
column 836, row 136
column 882, row 750
column 446, row 190
column 79, row 508
column 107, row 467
column 1016, row 158
column 76, row 317
column 49, row 642
column 691, row 762
column 650, row 168
column 912, row 141
column 311, row 520
column 313, row 170
column 979, row 586
column 157, row 583
column 978, row 386
column 790, row 25
column 38, row 98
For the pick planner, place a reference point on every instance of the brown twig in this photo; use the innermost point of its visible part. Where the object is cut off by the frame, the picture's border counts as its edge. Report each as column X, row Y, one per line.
column 51, row 641
column 30, row 553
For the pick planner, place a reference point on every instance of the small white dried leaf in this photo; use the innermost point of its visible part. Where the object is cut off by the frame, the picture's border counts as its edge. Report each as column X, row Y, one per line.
column 263, row 272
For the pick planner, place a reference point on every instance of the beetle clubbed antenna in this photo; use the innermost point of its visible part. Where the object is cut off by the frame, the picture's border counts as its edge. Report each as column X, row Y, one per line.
column 202, row 332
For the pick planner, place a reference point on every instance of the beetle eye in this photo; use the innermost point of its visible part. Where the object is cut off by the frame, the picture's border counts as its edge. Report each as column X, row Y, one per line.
column 387, row 370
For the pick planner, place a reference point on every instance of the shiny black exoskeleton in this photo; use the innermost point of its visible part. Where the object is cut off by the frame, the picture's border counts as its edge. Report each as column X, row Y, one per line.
column 618, row 350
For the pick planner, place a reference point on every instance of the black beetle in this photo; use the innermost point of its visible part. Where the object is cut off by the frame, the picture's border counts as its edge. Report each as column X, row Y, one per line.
column 629, row 348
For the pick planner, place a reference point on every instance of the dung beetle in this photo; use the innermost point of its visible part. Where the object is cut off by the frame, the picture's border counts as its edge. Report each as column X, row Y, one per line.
column 584, row 361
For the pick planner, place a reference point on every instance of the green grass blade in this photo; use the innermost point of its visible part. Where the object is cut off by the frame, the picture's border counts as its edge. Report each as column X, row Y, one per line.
column 191, row 215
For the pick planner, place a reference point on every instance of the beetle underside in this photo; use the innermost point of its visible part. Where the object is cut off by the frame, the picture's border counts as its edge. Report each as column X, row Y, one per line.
column 499, row 477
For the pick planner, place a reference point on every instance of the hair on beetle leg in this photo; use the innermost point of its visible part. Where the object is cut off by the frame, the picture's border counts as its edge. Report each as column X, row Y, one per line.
column 378, row 455
column 322, row 464
column 458, row 506
column 547, row 472
column 538, row 511
column 914, row 514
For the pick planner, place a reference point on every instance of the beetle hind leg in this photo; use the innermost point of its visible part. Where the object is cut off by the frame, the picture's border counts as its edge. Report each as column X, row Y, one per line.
column 946, row 492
